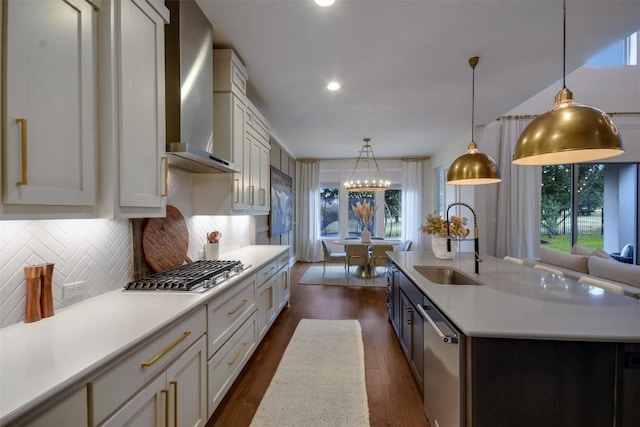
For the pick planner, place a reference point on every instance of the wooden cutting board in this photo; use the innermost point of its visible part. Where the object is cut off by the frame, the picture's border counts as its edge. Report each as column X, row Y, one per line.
column 165, row 241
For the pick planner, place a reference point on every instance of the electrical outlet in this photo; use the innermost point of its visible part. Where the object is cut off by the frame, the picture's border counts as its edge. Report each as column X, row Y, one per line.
column 75, row 289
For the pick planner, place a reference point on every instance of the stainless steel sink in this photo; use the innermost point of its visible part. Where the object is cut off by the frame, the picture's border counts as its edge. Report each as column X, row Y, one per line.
column 446, row 276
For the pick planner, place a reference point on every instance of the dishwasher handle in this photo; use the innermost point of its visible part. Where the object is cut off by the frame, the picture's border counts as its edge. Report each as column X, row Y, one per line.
column 447, row 339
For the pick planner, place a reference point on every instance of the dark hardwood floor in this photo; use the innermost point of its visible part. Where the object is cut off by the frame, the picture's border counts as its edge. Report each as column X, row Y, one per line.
column 394, row 397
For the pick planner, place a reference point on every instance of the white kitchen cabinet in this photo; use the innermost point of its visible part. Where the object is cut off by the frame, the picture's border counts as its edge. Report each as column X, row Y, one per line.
column 266, row 306
column 283, row 288
column 50, row 122
column 177, row 353
column 69, row 412
column 134, row 166
column 177, row 397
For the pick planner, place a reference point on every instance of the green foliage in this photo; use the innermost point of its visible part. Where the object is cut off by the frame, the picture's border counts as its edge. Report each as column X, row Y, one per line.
column 563, row 243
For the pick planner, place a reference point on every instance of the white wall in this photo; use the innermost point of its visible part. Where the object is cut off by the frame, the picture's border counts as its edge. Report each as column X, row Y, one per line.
column 98, row 251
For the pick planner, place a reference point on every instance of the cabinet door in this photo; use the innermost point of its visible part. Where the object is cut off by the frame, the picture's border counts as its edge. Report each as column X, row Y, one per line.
column 148, row 408
column 264, row 193
column 406, row 321
column 240, row 180
column 50, row 120
column 283, row 291
column 266, row 306
column 141, row 105
column 187, row 378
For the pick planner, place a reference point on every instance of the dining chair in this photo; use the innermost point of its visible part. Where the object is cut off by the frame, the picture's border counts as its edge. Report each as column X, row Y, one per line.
column 330, row 255
column 357, row 255
column 406, row 245
column 602, row 284
column 379, row 257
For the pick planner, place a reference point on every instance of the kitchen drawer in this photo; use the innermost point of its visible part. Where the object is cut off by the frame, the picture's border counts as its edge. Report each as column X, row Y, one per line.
column 126, row 377
column 283, row 260
column 228, row 311
column 225, row 366
column 267, row 271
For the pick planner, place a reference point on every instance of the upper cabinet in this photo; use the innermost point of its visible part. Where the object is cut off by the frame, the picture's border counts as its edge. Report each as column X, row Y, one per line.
column 49, row 125
column 83, row 131
column 134, row 166
column 241, row 134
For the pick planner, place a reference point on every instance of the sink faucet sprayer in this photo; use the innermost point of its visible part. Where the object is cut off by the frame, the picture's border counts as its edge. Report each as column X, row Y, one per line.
column 476, row 244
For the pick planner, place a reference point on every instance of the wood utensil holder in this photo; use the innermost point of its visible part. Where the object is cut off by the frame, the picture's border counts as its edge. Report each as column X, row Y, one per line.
column 46, row 293
column 32, row 311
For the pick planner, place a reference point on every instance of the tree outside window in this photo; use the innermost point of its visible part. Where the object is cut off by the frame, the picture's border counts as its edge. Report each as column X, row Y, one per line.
column 330, row 212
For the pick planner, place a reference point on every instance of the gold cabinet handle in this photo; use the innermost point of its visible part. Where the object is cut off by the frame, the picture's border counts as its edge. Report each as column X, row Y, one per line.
column 175, row 402
column 270, row 298
column 268, row 271
column 237, row 185
column 165, row 393
column 165, row 160
column 263, row 197
column 235, row 359
column 166, row 350
column 23, row 150
column 232, row 312
column 253, row 191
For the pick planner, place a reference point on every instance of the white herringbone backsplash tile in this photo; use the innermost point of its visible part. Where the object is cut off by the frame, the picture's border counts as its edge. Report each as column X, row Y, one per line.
column 98, row 251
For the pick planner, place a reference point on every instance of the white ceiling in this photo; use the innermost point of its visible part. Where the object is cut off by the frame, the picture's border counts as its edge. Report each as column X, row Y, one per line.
column 403, row 64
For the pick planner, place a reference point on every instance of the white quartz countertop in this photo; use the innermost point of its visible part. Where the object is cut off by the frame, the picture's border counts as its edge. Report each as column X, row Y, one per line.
column 515, row 301
column 37, row 360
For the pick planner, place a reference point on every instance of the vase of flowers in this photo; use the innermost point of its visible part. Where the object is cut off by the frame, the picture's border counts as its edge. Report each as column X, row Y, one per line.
column 365, row 214
column 438, row 226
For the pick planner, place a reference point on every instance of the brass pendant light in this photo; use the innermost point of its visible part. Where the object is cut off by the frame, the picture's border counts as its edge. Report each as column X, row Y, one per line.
column 570, row 132
column 473, row 167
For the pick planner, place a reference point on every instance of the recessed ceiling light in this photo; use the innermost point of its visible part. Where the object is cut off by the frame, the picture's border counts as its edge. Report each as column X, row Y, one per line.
column 333, row 86
column 324, row 3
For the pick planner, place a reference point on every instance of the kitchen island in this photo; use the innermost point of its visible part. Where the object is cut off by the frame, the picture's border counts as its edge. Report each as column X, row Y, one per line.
column 53, row 361
column 538, row 349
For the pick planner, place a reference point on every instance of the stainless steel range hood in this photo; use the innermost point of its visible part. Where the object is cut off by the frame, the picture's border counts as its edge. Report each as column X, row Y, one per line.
column 189, row 90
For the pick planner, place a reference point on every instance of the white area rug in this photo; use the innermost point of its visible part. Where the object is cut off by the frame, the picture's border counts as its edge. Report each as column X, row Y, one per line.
column 335, row 277
column 320, row 380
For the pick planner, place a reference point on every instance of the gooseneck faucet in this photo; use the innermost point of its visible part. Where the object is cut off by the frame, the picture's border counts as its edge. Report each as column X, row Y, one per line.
column 476, row 243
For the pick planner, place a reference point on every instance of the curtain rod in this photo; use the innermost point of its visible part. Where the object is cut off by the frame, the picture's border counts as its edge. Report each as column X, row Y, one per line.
column 534, row 116
column 404, row 159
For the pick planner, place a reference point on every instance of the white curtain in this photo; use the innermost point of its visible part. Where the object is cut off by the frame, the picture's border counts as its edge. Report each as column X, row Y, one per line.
column 518, row 201
column 308, row 212
column 412, row 215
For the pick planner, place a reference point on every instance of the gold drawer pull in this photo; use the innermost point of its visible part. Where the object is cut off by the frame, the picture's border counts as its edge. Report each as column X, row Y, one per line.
column 270, row 298
column 175, row 402
column 235, row 359
column 23, row 150
column 166, row 350
column 165, row 392
column 237, row 185
column 232, row 312
column 165, row 159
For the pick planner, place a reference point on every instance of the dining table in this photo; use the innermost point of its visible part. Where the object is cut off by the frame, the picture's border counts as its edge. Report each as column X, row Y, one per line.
column 366, row 271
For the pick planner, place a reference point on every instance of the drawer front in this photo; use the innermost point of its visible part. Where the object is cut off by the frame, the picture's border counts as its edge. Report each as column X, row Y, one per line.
column 225, row 366
column 228, row 311
column 128, row 376
column 266, row 272
column 283, row 260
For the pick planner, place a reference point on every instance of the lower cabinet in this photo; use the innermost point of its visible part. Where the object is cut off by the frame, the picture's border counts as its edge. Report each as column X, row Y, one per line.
column 266, row 306
column 69, row 412
column 283, row 288
column 226, row 364
column 169, row 369
column 177, row 397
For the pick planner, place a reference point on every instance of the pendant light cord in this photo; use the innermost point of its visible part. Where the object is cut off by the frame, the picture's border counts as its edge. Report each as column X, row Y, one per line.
column 564, row 42
column 473, row 62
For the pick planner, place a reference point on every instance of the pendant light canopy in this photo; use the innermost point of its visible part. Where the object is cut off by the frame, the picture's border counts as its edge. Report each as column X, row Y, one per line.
column 473, row 167
column 570, row 132
column 371, row 182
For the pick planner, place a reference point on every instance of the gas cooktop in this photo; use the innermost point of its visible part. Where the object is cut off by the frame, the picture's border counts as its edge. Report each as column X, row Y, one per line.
column 195, row 276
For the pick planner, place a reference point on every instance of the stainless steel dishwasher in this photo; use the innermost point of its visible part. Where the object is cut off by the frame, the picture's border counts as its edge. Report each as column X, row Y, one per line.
column 444, row 349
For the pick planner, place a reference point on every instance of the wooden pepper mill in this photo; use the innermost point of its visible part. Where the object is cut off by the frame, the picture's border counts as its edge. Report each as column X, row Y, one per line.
column 46, row 293
column 32, row 275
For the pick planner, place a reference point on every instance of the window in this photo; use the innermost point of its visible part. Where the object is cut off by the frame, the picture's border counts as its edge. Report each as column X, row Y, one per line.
column 393, row 213
column 622, row 52
column 354, row 225
column 594, row 205
column 438, row 190
column 330, row 211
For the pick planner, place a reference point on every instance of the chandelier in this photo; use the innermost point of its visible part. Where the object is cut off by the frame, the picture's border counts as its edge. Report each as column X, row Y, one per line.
column 371, row 182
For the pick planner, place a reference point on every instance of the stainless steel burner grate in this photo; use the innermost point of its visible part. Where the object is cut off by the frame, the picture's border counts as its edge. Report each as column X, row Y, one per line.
column 187, row 277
